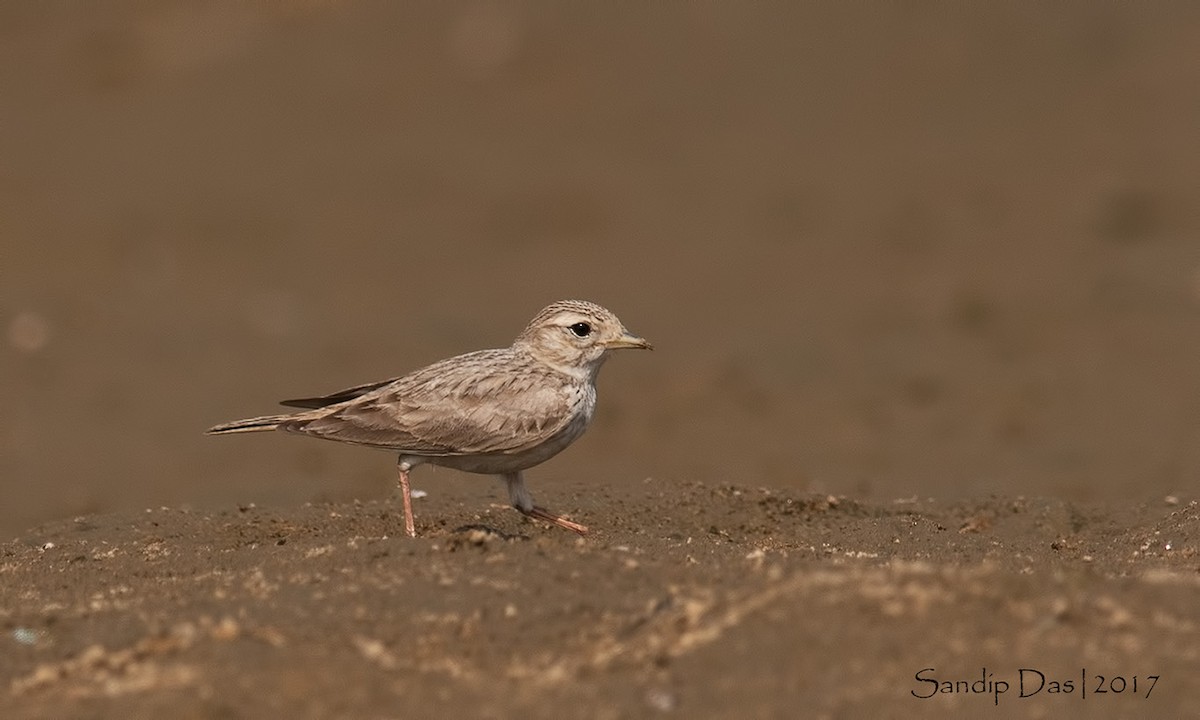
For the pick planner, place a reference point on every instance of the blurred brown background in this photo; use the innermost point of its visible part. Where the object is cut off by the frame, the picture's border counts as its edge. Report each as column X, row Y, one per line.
column 886, row 251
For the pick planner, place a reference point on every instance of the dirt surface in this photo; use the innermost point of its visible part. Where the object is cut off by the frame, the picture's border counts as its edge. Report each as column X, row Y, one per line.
column 939, row 264
column 689, row 600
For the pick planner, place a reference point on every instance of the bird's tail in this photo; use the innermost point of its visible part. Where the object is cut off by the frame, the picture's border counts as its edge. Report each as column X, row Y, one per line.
column 255, row 424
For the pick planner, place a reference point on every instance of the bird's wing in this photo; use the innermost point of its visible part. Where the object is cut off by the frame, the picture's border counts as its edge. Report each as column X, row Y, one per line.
column 336, row 397
column 480, row 403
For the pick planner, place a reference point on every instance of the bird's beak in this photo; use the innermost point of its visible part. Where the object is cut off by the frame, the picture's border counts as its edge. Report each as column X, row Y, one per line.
column 629, row 341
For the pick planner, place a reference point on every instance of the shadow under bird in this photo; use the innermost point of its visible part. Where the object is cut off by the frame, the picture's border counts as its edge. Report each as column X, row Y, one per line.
column 495, row 412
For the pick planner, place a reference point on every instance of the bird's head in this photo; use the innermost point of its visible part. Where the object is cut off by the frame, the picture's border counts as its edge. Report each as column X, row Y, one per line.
column 576, row 336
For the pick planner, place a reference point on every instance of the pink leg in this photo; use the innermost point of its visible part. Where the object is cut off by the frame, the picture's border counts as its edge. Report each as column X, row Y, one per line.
column 523, row 502
column 409, row 526
column 544, row 514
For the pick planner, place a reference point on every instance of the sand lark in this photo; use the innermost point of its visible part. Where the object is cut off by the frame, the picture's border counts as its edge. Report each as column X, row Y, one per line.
column 496, row 412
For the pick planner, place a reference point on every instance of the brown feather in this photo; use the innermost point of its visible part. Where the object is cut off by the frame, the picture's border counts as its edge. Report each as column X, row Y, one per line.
column 334, row 398
column 451, row 408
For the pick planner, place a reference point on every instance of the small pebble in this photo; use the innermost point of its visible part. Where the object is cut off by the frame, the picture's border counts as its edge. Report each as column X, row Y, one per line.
column 661, row 700
column 26, row 636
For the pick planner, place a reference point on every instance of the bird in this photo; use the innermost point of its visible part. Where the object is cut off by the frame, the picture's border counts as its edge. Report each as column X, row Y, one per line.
column 495, row 412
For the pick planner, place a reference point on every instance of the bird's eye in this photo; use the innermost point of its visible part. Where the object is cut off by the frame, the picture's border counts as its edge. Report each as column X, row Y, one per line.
column 581, row 329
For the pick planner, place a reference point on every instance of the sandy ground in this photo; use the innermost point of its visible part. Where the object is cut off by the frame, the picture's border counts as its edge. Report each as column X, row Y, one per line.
column 688, row 600
column 939, row 265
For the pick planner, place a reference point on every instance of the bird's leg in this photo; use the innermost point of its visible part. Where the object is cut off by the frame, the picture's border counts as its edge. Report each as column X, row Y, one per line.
column 544, row 514
column 403, row 467
column 523, row 501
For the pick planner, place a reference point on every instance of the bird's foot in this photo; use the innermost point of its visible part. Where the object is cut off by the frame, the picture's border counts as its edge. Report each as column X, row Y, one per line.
column 559, row 520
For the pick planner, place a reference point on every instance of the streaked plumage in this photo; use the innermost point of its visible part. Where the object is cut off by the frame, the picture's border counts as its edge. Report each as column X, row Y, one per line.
column 491, row 411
